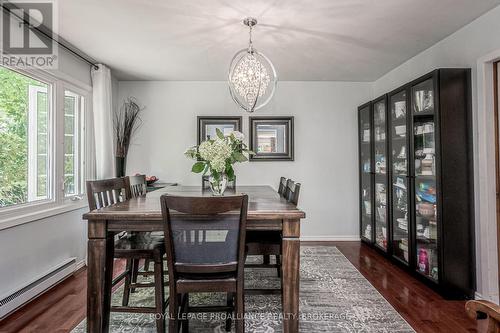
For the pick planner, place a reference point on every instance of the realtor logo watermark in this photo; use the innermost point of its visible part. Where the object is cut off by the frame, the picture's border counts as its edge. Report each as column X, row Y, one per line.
column 28, row 34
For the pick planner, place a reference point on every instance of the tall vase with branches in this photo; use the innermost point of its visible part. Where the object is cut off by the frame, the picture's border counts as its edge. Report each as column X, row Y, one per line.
column 126, row 123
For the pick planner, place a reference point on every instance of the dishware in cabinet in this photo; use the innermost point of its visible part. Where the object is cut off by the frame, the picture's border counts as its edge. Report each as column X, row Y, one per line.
column 380, row 167
column 399, row 171
column 366, row 171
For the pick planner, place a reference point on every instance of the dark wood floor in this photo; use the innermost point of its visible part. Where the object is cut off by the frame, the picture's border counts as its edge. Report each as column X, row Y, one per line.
column 63, row 307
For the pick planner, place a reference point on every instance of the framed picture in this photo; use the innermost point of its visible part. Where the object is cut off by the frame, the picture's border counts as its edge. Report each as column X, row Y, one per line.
column 271, row 138
column 208, row 125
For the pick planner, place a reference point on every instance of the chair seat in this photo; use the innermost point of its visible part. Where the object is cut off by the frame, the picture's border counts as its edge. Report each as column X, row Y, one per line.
column 141, row 245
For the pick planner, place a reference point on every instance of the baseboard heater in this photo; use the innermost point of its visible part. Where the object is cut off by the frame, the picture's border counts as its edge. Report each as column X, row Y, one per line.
column 14, row 300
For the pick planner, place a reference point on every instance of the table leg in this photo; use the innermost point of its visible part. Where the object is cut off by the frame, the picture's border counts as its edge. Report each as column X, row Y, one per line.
column 291, row 275
column 99, row 276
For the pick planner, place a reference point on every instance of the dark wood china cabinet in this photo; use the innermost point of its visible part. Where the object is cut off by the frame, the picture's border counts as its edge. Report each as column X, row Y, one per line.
column 416, row 179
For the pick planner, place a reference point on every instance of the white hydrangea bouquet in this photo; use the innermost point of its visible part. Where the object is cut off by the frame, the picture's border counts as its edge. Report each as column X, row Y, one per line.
column 217, row 156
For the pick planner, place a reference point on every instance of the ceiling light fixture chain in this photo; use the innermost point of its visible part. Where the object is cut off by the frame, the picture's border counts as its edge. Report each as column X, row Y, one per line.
column 252, row 77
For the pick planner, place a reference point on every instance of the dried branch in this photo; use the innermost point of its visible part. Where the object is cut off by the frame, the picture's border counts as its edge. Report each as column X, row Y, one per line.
column 126, row 123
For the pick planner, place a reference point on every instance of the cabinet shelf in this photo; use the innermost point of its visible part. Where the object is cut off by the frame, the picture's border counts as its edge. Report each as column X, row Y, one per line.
column 424, row 114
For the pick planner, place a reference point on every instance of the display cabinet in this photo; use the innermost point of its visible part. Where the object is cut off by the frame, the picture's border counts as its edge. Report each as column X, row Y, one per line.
column 427, row 224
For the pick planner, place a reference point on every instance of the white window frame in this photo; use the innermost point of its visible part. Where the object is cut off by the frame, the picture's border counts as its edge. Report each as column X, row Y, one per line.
column 33, row 143
column 58, row 203
column 80, row 133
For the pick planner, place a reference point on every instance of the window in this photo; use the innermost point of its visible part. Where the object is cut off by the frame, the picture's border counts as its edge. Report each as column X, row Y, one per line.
column 25, row 132
column 41, row 140
column 73, row 143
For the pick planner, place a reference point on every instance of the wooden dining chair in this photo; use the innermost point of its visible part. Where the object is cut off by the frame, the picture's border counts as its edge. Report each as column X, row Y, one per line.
column 214, row 263
column 485, row 310
column 268, row 243
column 138, row 188
column 292, row 192
column 131, row 247
column 282, row 186
column 205, row 183
column 138, row 185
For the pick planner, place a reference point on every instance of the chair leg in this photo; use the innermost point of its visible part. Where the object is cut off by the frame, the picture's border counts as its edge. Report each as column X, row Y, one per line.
column 240, row 309
column 173, row 311
column 267, row 259
column 230, row 302
column 159, row 296
column 278, row 262
column 135, row 272
column 126, row 286
column 185, row 306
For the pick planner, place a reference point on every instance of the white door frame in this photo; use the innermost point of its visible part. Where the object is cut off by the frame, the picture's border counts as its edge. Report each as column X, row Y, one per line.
column 485, row 184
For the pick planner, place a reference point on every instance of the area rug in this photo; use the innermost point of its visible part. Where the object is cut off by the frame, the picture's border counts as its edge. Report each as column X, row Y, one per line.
column 334, row 297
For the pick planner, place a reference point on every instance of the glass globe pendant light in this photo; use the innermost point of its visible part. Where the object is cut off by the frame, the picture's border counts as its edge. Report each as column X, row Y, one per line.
column 252, row 78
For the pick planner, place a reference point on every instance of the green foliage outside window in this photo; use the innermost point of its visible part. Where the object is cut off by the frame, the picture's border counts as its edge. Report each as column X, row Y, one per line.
column 14, row 89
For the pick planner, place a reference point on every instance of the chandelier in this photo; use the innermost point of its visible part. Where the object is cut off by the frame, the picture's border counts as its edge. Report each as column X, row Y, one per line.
column 252, row 78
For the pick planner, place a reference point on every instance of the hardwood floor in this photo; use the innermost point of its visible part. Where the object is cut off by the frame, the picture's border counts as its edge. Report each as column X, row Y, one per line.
column 425, row 310
column 63, row 307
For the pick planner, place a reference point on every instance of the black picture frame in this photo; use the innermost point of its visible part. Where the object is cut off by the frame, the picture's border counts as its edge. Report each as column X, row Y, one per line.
column 288, row 154
column 203, row 121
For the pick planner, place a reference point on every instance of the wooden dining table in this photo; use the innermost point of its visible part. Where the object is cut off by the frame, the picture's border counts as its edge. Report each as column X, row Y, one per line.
column 267, row 211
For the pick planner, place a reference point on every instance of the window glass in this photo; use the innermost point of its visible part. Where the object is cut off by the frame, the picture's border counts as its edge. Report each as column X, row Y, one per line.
column 73, row 138
column 25, row 134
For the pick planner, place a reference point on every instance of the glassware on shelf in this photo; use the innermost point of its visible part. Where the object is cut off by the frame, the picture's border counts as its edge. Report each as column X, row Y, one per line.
column 365, row 134
column 425, row 163
column 399, row 109
column 423, row 97
column 399, row 216
column 380, row 163
column 424, row 100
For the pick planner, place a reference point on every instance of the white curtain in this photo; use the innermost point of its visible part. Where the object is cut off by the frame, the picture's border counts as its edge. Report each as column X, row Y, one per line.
column 102, row 105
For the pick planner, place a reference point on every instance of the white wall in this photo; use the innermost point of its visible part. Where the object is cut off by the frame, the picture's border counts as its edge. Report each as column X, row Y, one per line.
column 325, row 142
column 468, row 47
column 33, row 248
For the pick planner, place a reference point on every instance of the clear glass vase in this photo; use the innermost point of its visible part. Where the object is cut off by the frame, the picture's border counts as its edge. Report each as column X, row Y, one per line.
column 218, row 186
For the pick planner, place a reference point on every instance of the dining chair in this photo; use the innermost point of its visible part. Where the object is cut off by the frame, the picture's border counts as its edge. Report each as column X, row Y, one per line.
column 282, row 186
column 138, row 188
column 138, row 185
column 205, row 183
column 482, row 310
column 292, row 192
column 214, row 263
column 131, row 247
column 268, row 243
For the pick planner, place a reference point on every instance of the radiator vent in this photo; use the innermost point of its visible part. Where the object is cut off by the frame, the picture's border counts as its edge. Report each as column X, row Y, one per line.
column 39, row 285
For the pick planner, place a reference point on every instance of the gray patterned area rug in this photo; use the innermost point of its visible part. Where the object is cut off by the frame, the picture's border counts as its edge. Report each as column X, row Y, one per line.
column 334, row 297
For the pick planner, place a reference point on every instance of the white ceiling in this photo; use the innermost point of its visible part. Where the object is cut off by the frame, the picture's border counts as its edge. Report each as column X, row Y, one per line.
column 344, row 40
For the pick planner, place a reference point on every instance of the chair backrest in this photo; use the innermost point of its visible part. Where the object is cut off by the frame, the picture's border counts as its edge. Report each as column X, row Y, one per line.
column 204, row 235
column 282, row 187
column 107, row 192
column 138, row 185
column 292, row 192
column 205, row 183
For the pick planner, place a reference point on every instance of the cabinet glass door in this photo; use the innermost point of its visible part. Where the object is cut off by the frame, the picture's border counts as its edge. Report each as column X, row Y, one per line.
column 365, row 140
column 400, row 185
column 380, row 144
column 426, row 222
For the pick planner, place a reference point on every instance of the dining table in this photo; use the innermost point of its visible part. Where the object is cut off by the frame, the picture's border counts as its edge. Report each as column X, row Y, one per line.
column 267, row 211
